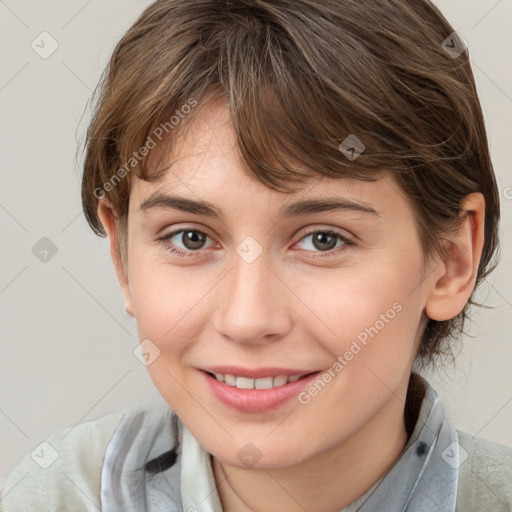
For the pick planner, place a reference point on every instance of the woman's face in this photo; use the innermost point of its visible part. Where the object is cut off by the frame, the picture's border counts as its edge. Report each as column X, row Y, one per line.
column 278, row 287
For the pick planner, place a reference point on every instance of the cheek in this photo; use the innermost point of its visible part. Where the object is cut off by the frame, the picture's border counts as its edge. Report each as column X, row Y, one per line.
column 375, row 305
column 165, row 303
column 161, row 295
column 373, row 317
column 173, row 306
column 167, row 308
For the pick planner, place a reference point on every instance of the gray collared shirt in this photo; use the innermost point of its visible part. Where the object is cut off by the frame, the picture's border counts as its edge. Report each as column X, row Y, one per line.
column 423, row 478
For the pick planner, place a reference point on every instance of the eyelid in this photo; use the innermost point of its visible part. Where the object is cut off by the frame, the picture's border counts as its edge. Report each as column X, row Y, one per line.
column 325, row 229
column 170, row 234
column 187, row 227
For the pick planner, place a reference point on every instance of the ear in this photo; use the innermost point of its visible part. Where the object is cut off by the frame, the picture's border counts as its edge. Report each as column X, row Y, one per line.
column 456, row 276
column 108, row 219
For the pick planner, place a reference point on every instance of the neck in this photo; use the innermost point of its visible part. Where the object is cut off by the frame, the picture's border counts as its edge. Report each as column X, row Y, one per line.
column 330, row 480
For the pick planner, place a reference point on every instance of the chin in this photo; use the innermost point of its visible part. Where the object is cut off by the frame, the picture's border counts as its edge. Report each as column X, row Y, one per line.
column 261, row 455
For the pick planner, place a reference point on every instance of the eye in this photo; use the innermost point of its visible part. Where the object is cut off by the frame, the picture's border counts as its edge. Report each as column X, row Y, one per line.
column 325, row 241
column 192, row 239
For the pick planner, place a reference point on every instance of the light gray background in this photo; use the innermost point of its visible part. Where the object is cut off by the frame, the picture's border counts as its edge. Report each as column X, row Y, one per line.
column 67, row 344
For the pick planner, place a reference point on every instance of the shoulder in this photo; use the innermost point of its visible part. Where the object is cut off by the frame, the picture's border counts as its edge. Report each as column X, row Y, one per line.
column 485, row 475
column 63, row 472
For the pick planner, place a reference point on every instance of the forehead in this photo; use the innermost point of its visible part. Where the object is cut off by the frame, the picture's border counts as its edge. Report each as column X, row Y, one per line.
column 205, row 164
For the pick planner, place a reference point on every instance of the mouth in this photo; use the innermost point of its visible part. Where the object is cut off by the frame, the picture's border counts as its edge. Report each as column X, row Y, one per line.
column 262, row 383
column 256, row 391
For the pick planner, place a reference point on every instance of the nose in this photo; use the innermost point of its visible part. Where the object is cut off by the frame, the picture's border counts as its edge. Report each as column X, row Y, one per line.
column 253, row 303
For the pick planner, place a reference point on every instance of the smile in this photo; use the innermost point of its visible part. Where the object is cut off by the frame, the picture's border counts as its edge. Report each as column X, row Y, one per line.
column 262, row 383
column 256, row 390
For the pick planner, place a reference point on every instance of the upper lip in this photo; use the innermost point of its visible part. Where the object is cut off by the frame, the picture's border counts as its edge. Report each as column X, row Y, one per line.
column 256, row 373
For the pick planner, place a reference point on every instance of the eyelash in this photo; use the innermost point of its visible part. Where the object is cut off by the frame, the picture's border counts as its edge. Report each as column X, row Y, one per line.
column 193, row 254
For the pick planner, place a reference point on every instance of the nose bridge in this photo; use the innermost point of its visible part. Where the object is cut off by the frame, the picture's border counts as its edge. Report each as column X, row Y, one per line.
column 250, row 308
column 248, row 279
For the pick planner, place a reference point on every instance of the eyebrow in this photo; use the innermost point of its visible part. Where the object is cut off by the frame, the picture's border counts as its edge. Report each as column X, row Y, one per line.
column 300, row 207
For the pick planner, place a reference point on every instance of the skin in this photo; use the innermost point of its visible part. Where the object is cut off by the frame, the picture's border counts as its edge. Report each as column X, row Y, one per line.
column 286, row 308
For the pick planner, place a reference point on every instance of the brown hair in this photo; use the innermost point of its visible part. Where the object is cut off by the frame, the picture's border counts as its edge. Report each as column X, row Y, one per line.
column 299, row 77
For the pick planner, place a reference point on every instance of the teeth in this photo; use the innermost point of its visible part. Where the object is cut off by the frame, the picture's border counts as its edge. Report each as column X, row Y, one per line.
column 266, row 383
column 244, row 383
column 280, row 381
column 230, row 380
column 263, row 383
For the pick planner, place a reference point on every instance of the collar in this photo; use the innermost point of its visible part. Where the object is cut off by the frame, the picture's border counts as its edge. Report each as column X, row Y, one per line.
column 425, row 475
column 422, row 479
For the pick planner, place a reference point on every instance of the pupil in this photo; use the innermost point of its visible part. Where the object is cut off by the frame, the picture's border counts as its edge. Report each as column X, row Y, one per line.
column 193, row 239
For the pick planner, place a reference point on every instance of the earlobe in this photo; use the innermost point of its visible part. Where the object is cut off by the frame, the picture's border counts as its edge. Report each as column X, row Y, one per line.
column 108, row 218
column 453, row 284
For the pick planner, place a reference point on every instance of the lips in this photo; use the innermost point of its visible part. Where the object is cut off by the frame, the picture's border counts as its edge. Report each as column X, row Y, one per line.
column 256, row 390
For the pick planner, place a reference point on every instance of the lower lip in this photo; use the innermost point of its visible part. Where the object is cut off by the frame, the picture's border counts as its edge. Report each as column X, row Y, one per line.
column 256, row 400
